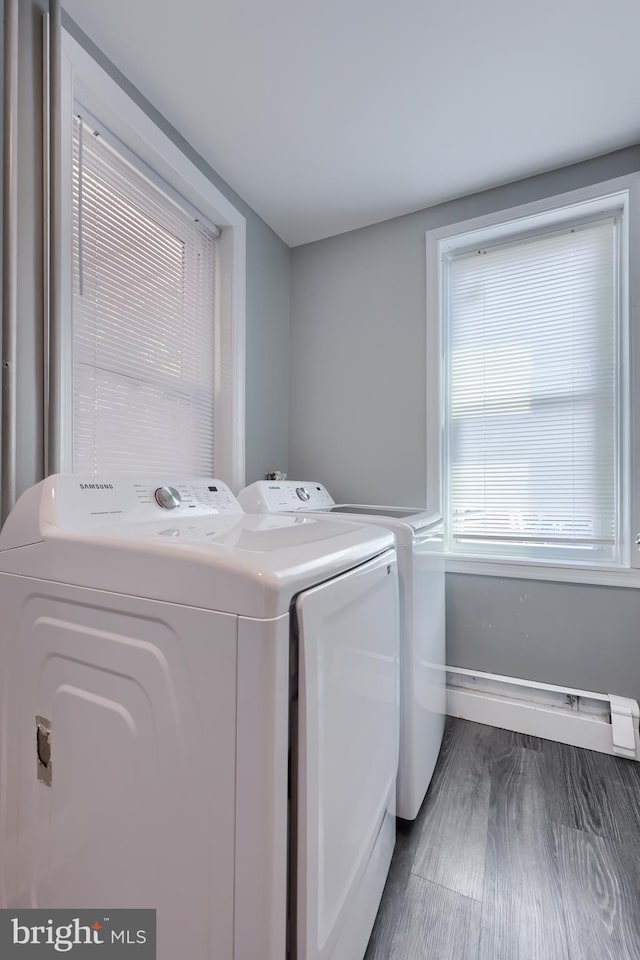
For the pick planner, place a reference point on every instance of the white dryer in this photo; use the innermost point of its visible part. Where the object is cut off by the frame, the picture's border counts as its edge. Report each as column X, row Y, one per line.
column 199, row 714
column 418, row 536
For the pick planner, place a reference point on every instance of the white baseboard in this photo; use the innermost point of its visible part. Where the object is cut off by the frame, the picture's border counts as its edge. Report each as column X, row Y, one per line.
column 595, row 721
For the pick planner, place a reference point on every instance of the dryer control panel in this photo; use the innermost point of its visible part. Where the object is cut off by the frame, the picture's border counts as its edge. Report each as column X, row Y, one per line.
column 96, row 500
column 274, row 496
column 81, row 504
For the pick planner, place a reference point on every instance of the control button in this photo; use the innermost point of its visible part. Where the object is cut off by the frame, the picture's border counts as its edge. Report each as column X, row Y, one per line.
column 303, row 493
column 168, row 497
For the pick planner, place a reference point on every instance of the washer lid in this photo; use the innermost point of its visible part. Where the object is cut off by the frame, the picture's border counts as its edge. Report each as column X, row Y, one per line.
column 417, row 522
column 113, row 534
column 313, row 499
column 397, row 513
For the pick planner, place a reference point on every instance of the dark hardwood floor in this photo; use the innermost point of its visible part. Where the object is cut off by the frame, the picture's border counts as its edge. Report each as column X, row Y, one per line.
column 524, row 849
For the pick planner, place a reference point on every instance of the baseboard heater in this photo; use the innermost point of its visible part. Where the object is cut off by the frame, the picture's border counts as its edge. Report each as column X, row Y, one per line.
column 595, row 721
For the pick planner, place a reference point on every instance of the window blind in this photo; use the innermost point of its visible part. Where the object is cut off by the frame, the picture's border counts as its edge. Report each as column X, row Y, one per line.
column 532, row 398
column 143, row 341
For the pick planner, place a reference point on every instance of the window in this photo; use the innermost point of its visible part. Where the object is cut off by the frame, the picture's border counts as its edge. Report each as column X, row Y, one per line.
column 533, row 387
column 144, row 310
column 149, row 326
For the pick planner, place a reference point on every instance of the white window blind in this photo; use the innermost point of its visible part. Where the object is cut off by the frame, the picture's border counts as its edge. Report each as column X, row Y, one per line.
column 144, row 337
column 532, row 390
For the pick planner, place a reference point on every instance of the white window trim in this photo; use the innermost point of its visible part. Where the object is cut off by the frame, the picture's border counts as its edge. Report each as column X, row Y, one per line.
column 546, row 212
column 85, row 80
column 528, row 570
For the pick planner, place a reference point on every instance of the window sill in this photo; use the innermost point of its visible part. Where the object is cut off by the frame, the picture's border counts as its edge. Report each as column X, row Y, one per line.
column 612, row 576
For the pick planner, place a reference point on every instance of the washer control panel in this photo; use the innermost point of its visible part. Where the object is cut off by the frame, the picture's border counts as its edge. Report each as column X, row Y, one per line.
column 275, row 496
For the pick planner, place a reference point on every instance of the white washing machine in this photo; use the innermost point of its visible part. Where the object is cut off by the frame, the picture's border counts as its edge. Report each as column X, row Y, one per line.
column 199, row 714
column 418, row 536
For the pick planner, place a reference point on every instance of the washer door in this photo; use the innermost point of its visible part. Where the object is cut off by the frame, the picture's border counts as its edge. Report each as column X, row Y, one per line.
column 348, row 750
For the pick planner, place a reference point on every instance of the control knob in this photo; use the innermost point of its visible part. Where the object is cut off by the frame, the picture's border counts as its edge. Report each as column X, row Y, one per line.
column 168, row 498
column 303, row 493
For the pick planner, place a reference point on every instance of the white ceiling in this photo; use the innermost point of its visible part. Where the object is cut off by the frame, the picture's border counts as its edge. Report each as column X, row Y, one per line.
column 331, row 115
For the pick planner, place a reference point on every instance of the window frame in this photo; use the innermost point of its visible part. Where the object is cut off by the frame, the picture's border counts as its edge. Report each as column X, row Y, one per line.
column 84, row 81
column 623, row 195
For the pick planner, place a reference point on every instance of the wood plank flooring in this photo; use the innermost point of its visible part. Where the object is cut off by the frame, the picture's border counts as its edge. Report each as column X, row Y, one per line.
column 524, row 849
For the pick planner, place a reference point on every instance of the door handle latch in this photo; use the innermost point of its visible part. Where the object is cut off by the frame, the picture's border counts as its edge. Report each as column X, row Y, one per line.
column 43, row 750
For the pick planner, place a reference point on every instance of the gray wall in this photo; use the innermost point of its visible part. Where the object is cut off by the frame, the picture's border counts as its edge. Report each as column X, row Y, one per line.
column 573, row 634
column 268, row 279
column 267, row 393
column 357, row 422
